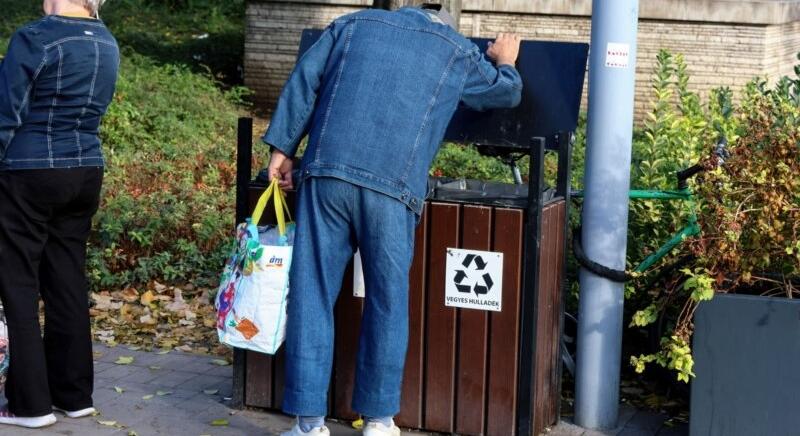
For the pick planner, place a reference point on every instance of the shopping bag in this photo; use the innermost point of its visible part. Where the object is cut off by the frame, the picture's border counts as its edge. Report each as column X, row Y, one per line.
column 4, row 357
column 251, row 300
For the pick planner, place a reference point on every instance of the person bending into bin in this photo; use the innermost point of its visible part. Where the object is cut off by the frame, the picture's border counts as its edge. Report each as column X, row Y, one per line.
column 56, row 83
column 374, row 94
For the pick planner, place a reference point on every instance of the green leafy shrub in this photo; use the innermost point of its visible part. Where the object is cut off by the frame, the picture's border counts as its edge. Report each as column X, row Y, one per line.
column 678, row 132
column 748, row 208
column 168, row 198
column 751, row 205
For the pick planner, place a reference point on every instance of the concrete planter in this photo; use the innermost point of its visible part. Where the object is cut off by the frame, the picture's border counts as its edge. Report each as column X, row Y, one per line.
column 747, row 361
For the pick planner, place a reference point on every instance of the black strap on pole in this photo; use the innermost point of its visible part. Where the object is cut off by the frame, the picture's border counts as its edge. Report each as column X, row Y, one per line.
column 596, row 268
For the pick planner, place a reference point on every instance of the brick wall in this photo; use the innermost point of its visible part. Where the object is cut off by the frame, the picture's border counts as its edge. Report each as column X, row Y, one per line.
column 717, row 54
column 272, row 39
column 782, row 44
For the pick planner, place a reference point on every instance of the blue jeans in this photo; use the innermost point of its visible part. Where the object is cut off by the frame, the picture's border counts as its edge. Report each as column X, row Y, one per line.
column 333, row 218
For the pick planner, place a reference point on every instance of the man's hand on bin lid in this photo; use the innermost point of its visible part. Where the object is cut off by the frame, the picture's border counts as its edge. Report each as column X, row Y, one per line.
column 505, row 49
column 280, row 167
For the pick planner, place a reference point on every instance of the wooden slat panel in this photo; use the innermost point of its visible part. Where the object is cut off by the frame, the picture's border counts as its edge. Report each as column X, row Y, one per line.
column 413, row 377
column 546, row 334
column 504, row 339
column 472, row 335
column 278, row 374
column 348, row 325
column 258, row 384
column 558, row 295
column 540, row 357
column 441, row 322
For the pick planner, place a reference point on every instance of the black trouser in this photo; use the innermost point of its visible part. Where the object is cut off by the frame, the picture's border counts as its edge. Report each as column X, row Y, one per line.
column 45, row 219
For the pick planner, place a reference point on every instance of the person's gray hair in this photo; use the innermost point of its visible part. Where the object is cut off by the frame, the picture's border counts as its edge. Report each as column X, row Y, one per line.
column 92, row 5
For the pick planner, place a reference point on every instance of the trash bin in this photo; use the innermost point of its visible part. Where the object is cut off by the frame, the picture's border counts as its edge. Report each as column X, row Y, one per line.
column 468, row 371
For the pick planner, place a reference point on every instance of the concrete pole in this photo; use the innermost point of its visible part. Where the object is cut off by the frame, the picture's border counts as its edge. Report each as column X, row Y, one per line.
column 612, row 66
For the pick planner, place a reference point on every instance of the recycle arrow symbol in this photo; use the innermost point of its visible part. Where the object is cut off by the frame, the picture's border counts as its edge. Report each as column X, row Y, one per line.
column 460, row 276
column 479, row 289
column 478, row 261
column 481, row 264
column 483, row 290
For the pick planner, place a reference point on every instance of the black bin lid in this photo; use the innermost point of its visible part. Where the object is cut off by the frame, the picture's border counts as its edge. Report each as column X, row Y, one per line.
column 552, row 76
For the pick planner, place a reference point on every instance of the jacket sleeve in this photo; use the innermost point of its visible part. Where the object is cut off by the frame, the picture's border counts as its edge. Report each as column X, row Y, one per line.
column 24, row 61
column 295, row 108
column 490, row 87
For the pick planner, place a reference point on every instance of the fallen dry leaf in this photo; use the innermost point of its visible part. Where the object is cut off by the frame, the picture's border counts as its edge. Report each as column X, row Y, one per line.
column 147, row 298
column 181, row 318
column 130, row 295
column 124, row 360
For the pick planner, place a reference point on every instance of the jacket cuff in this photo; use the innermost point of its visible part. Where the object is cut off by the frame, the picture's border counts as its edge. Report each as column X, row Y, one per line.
column 511, row 74
column 277, row 145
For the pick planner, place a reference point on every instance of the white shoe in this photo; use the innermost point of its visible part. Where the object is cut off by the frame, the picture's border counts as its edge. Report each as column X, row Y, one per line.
column 378, row 429
column 89, row 411
column 9, row 418
column 316, row 431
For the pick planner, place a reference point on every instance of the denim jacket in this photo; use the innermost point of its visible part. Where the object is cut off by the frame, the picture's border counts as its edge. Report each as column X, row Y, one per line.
column 56, row 83
column 375, row 95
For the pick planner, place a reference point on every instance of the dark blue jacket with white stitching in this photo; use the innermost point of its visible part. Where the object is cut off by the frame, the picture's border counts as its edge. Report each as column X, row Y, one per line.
column 56, row 82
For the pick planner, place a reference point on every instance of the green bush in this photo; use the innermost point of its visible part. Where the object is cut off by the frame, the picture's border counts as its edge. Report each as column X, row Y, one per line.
column 168, row 198
column 748, row 209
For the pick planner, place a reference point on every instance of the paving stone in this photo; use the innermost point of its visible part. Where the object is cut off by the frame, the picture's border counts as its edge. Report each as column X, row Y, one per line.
column 647, row 421
column 117, row 372
column 177, row 362
column 626, row 413
column 600, row 432
column 565, row 429
column 99, row 367
column 202, row 382
column 186, row 412
column 636, row 432
column 172, row 379
column 220, row 371
column 111, row 354
column 678, row 430
column 140, row 375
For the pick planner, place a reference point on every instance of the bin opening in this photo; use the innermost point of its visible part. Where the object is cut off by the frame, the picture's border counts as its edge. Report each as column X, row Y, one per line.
column 482, row 192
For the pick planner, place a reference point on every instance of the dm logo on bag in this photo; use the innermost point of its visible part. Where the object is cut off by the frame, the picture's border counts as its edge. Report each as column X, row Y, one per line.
column 275, row 262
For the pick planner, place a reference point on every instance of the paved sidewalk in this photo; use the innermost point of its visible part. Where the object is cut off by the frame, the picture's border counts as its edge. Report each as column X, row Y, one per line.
column 179, row 394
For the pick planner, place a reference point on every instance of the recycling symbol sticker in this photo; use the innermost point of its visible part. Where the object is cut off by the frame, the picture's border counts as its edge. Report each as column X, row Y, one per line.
column 474, row 279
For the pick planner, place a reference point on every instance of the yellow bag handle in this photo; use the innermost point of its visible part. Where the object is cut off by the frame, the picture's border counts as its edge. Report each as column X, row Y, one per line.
column 281, row 208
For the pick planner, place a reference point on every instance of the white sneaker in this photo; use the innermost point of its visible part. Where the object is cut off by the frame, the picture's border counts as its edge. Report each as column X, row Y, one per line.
column 9, row 418
column 378, row 429
column 316, row 431
column 89, row 411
